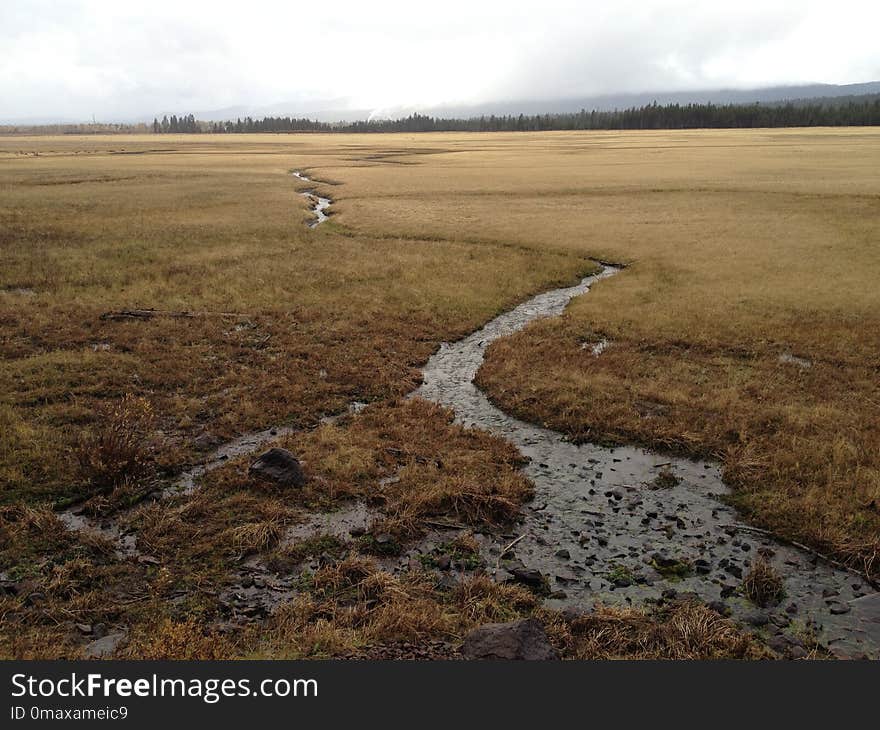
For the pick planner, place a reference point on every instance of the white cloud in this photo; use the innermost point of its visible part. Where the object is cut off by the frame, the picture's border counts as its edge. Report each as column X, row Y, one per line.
column 73, row 58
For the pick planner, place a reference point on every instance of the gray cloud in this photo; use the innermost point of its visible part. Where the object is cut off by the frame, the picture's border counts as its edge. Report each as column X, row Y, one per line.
column 70, row 59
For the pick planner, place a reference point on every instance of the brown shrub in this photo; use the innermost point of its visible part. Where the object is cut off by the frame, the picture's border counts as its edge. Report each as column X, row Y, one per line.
column 762, row 584
column 118, row 450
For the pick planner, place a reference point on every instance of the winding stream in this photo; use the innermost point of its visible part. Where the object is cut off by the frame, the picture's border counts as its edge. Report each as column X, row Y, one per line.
column 601, row 522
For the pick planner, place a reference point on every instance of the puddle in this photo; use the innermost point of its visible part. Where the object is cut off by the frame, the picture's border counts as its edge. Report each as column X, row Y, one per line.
column 604, row 510
column 353, row 516
column 317, row 204
column 597, row 348
column 788, row 359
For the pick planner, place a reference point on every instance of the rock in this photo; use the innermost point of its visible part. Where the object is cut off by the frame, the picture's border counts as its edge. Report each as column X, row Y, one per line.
column 105, row 646
column 99, row 630
column 838, row 608
column 442, row 562
column 780, row 621
column 756, row 618
column 531, row 578
column 34, row 598
column 779, row 644
column 8, row 588
column 734, row 570
column 279, row 466
column 525, row 639
column 565, row 576
column 791, row 609
column 719, row 607
column 84, row 628
column 563, row 554
column 148, row 560
column 206, row 441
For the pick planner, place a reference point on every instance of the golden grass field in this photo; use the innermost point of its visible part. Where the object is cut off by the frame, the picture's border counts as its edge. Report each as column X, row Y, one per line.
column 743, row 246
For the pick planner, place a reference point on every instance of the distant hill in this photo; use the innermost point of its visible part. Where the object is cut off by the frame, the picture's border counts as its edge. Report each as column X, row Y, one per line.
column 334, row 110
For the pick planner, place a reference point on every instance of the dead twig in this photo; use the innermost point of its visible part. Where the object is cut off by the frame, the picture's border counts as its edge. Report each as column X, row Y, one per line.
column 145, row 314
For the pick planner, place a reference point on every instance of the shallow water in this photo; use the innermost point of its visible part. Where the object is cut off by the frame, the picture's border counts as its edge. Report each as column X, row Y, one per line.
column 602, row 509
column 317, row 203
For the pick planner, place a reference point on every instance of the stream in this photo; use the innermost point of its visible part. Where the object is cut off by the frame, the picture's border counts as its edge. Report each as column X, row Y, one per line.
column 317, row 203
column 602, row 523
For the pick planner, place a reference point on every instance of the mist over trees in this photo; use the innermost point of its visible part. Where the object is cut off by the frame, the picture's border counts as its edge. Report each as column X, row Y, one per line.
column 837, row 112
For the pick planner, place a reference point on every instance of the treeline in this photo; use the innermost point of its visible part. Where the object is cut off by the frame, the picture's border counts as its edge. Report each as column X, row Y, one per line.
column 178, row 125
column 855, row 111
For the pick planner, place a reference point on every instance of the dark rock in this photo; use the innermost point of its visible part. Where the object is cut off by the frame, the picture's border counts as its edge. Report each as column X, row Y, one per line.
column 704, row 567
column 756, row 618
column 734, row 570
column 779, row 644
column 279, row 466
column 563, row 554
column 780, row 621
column 791, row 609
column 838, row 608
column 531, row 578
column 442, row 562
column 34, row 598
column 525, row 639
column 719, row 607
column 8, row 588
column 99, row 630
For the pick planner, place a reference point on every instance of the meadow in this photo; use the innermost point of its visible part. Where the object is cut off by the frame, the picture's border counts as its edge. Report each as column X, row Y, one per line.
column 744, row 327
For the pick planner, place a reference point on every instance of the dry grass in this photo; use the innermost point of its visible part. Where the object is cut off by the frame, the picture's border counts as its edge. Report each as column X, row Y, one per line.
column 745, row 246
column 682, row 631
column 762, row 584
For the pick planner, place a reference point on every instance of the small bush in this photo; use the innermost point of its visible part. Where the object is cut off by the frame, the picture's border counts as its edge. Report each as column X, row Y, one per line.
column 762, row 584
column 118, row 451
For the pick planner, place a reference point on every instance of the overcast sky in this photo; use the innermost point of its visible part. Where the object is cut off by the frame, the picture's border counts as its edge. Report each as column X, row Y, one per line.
column 70, row 59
